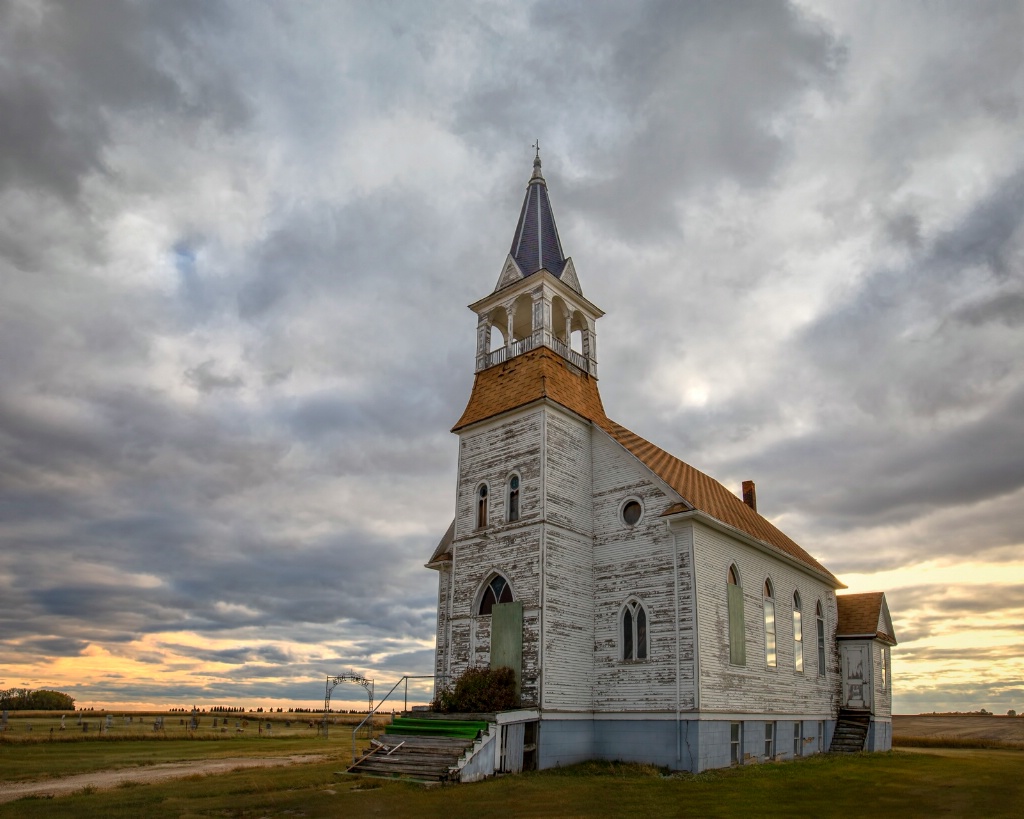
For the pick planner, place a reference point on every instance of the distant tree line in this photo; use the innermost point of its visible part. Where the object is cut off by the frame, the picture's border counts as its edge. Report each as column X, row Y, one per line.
column 25, row 699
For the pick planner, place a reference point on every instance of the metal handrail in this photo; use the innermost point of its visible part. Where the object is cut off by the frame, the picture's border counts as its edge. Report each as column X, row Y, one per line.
column 384, row 699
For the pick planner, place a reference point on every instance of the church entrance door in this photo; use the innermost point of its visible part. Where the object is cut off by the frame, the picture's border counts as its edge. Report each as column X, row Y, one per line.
column 856, row 676
column 507, row 638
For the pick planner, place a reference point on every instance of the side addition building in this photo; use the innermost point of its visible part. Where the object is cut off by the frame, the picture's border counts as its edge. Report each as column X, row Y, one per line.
column 650, row 613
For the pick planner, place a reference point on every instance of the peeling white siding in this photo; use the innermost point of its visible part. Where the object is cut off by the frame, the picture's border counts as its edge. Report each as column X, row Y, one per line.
column 637, row 560
column 568, row 565
column 755, row 688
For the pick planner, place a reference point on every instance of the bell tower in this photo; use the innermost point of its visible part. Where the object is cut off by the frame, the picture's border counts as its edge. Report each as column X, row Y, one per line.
column 537, row 301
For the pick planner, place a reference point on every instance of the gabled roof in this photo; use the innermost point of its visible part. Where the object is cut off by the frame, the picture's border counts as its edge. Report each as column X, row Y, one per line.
column 542, row 374
column 535, row 245
column 865, row 615
column 443, row 552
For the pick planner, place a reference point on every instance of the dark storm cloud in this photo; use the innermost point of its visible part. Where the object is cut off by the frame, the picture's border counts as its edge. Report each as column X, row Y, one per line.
column 70, row 65
column 926, row 402
column 676, row 96
column 237, row 242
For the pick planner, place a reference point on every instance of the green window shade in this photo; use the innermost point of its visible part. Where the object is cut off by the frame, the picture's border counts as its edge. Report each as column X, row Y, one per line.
column 737, row 643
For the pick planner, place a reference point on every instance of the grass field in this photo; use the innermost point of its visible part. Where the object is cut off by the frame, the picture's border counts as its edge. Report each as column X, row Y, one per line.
column 945, row 782
column 956, row 783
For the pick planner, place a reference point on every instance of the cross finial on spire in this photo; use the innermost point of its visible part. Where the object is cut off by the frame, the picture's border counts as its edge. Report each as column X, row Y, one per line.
column 536, row 163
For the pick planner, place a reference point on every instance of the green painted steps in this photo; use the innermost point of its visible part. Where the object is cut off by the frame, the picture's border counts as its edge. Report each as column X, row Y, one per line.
column 460, row 729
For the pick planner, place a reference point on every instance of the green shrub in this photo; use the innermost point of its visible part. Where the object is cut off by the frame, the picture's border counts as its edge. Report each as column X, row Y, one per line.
column 479, row 690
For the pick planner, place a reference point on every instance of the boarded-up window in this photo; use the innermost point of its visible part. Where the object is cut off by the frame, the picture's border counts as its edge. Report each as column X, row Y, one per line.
column 737, row 641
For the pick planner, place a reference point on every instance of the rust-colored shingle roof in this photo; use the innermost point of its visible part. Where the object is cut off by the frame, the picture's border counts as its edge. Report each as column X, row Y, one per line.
column 862, row 615
column 541, row 373
column 529, row 377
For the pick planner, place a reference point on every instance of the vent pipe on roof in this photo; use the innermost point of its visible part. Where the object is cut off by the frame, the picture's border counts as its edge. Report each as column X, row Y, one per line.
column 750, row 495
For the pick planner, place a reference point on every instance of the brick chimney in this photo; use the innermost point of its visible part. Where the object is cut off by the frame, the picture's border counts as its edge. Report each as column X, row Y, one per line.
column 750, row 495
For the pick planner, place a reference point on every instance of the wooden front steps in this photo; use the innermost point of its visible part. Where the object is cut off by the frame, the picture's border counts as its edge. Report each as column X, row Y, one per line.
column 424, row 759
column 851, row 732
column 420, row 750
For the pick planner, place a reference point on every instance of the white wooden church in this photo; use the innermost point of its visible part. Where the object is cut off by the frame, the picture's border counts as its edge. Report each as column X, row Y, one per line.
column 649, row 612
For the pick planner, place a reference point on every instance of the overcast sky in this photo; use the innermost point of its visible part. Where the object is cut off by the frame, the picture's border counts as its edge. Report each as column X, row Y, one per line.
column 237, row 242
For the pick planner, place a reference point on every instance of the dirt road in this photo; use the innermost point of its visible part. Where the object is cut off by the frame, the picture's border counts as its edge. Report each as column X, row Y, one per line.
column 9, row 791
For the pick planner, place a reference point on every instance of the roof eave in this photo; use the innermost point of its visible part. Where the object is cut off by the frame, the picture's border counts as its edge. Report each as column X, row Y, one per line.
column 761, row 545
column 883, row 638
column 544, row 399
column 495, row 298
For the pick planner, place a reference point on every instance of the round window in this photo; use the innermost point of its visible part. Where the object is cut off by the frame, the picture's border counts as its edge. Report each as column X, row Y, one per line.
column 631, row 512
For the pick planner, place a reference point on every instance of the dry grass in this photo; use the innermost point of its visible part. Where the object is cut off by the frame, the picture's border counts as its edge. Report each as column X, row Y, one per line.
column 967, row 731
column 958, row 783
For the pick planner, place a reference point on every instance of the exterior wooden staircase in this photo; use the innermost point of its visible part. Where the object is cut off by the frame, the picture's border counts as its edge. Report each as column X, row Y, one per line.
column 420, row 750
column 851, row 732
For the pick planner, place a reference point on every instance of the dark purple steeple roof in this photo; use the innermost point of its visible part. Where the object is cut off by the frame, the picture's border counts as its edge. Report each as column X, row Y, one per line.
column 536, row 243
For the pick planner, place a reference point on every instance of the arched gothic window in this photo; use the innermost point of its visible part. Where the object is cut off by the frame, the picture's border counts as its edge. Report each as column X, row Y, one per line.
column 481, row 506
column 820, row 622
column 634, row 631
column 770, row 654
column 734, row 602
column 497, row 591
column 513, row 499
column 798, row 634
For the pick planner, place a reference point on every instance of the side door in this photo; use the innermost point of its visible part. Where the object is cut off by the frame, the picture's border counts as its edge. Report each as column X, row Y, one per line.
column 856, row 675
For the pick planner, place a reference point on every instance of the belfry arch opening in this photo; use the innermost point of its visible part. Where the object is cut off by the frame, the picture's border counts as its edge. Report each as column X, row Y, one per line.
column 499, row 327
column 559, row 320
column 577, row 329
column 522, row 318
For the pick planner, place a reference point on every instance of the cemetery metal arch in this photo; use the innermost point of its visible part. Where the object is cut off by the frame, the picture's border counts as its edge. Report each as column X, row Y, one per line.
column 333, row 682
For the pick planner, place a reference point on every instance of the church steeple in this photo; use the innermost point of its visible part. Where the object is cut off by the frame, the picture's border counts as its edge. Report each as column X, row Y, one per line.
column 535, row 245
column 537, row 301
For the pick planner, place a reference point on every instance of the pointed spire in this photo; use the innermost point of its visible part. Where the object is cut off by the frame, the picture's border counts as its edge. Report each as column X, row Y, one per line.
column 536, row 244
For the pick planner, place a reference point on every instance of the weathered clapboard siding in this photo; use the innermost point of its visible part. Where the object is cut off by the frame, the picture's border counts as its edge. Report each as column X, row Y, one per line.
column 568, row 501
column 755, row 688
column 568, row 565
column 882, row 698
column 490, row 454
column 568, row 620
column 637, row 561
column 440, row 656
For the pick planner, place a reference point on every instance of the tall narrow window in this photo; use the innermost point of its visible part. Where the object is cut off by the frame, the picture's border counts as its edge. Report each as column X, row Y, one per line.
column 513, row 498
column 821, row 736
column 769, row 740
column 736, row 743
column 734, row 601
column 497, row 591
column 481, row 506
column 770, row 654
column 798, row 634
column 819, row 617
column 798, row 737
column 885, row 667
column 634, row 631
